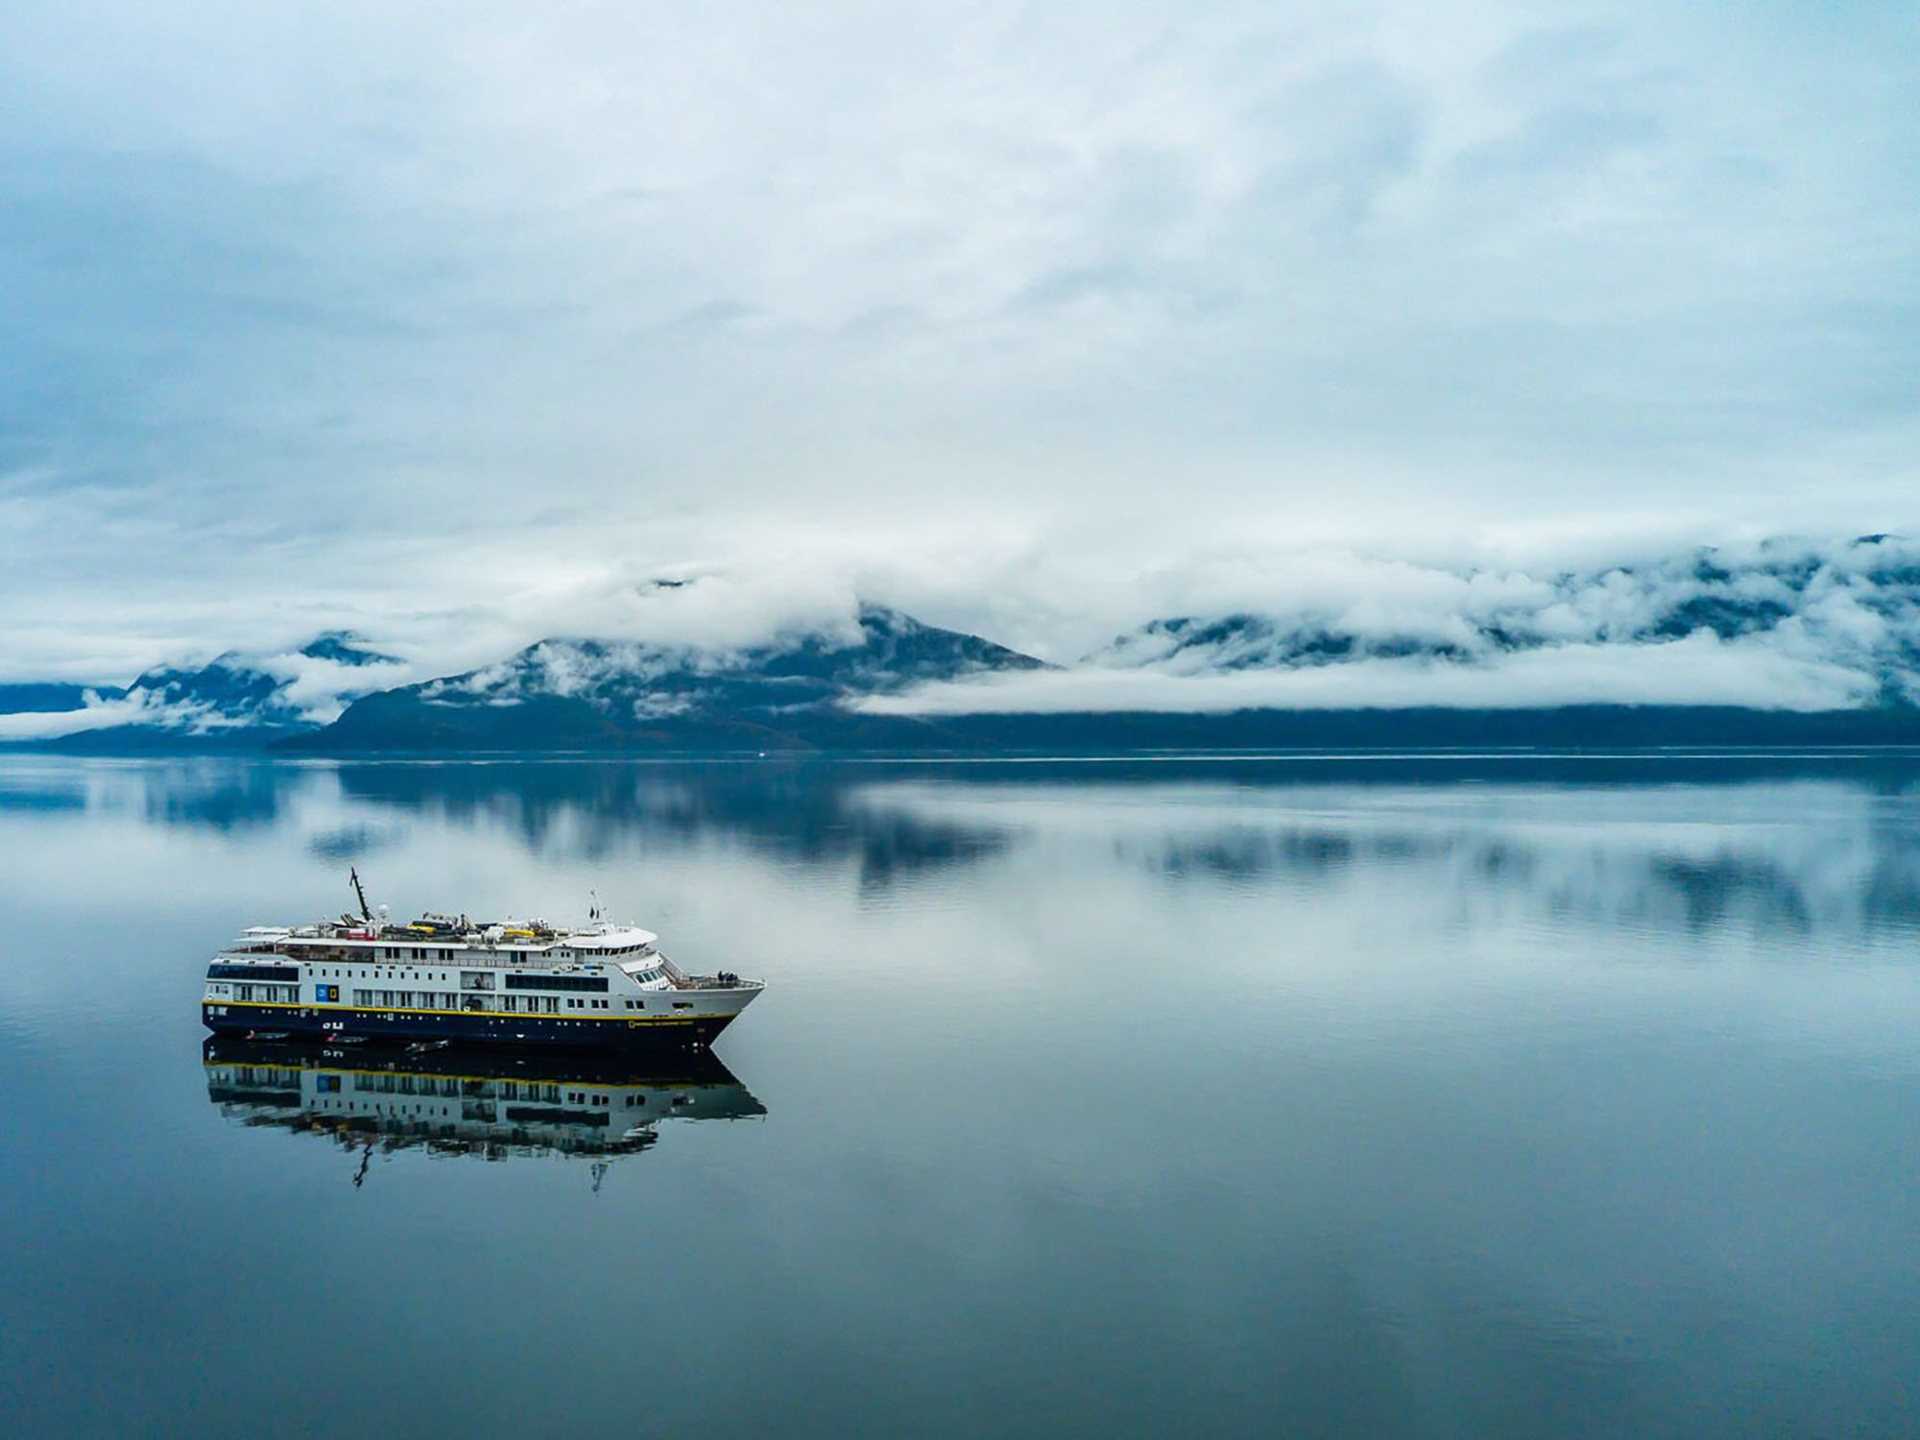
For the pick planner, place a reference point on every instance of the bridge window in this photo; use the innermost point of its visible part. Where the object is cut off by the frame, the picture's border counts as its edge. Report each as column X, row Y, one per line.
column 556, row 982
column 251, row 972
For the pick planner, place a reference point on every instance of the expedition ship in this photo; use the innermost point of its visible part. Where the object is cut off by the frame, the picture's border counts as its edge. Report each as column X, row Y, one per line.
column 442, row 977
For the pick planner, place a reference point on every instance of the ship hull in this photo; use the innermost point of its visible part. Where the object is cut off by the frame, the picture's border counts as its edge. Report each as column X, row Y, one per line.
column 401, row 1027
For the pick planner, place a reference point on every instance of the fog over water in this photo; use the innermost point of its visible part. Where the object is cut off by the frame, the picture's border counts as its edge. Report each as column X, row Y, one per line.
column 1406, row 1095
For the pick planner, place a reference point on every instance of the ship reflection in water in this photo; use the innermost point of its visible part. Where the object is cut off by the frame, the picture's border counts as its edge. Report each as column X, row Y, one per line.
column 486, row 1104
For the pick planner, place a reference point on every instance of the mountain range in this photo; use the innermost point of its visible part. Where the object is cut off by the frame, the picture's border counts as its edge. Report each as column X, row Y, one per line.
column 1842, row 625
column 594, row 694
column 232, row 701
column 1860, row 607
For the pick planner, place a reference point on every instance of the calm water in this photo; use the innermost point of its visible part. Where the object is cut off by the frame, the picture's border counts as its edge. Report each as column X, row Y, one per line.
column 1335, row 1097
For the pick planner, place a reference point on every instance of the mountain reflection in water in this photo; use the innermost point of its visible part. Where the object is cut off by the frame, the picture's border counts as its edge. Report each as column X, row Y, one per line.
column 1685, row 839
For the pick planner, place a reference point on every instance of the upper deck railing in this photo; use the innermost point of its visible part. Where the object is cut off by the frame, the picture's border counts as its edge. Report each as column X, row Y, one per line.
column 321, row 949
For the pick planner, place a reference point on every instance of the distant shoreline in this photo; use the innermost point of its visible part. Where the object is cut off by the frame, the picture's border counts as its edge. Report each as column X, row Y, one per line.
column 1568, row 730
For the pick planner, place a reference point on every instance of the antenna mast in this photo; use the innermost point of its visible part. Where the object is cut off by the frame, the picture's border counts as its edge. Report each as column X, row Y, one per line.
column 366, row 912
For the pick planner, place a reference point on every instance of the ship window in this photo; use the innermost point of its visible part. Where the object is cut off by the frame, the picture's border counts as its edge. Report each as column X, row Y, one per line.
column 556, row 982
column 249, row 972
column 683, row 1004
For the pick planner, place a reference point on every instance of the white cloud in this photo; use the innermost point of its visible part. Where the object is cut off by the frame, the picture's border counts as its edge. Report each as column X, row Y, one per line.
column 453, row 329
column 1698, row 670
column 1798, row 625
column 318, row 690
column 138, row 707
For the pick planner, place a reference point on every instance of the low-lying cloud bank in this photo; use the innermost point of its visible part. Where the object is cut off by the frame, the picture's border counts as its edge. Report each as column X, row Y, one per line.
column 1698, row 670
column 302, row 688
column 1779, row 626
column 98, row 713
column 1784, row 625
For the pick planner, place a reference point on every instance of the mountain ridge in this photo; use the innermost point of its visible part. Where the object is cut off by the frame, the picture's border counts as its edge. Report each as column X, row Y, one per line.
column 235, row 700
column 781, row 694
column 1868, row 609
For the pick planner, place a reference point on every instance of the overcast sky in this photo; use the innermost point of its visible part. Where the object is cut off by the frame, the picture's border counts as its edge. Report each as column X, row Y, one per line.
column 451, row 322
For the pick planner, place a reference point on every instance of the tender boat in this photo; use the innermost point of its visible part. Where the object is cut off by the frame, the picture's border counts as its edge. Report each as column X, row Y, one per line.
column 598, row 986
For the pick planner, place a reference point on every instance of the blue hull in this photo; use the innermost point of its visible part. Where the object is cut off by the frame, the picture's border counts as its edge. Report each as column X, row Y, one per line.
column 545, row 1032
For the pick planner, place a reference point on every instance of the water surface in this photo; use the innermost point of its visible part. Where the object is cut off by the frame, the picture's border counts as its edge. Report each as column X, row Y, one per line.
column 1346, row 1095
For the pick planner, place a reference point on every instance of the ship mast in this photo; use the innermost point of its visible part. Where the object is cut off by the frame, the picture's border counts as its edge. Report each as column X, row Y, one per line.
column 366, row 912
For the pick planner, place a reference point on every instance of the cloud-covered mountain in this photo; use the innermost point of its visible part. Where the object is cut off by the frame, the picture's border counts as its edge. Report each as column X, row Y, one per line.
column 1782, row 627
column 579, row 693
column 233, row 698
column 1860, row 606
column 1786, row 641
